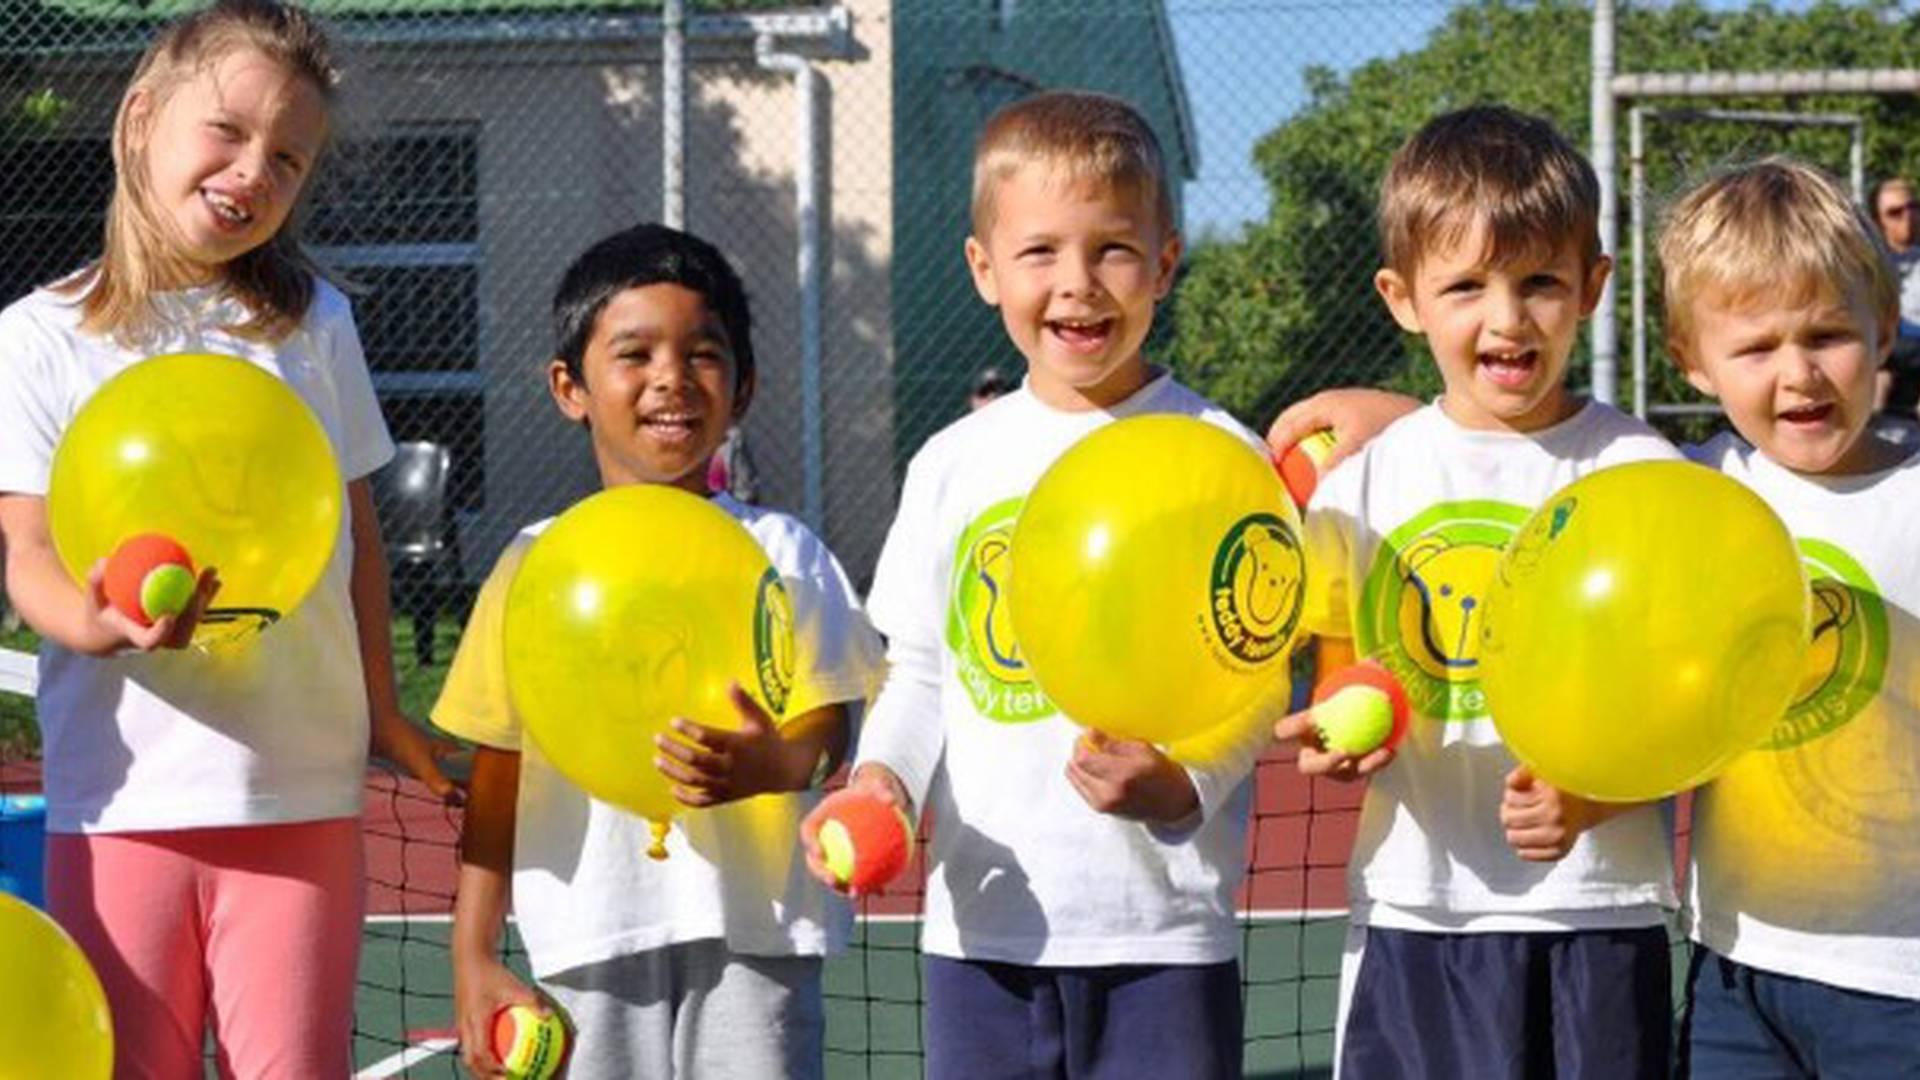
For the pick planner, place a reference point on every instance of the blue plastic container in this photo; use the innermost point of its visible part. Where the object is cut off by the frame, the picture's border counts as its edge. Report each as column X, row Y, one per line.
column 23, row 848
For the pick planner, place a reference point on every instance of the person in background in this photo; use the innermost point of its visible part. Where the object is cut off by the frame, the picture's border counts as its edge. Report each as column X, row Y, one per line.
column 988, row 385
column 1897, row 212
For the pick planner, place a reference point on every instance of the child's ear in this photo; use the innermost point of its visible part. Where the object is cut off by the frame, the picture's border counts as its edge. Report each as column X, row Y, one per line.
column 1596, row 283
column 569, row 393
column 139, row 114
column 1399, row 297
column 982, row 266
column 743, row 395
column 1169, row 265
column 1696, row 375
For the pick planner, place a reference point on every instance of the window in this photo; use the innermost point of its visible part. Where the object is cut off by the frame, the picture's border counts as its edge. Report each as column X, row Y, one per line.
column 398, row 215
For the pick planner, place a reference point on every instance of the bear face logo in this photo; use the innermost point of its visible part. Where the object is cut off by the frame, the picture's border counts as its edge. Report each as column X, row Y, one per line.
column 773, row 656
column 1443, row 604
column 1834, row 609
column 1256, row 588
column 979, row 632
column 989, row 620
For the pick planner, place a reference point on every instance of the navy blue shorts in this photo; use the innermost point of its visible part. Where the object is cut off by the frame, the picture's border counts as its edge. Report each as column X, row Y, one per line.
column 1530, row 1006
column 988, row 1021
column 1749, row 1024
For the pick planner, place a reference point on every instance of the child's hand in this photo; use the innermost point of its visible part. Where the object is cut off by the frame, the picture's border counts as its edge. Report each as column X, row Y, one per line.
column 873, row 779
column 1130, row 779
column 709, row 766
column 1316, row 760
column 482, row 986
column 110, row 630
column 1542, row 822
column 398, row 740
column 1355, row 414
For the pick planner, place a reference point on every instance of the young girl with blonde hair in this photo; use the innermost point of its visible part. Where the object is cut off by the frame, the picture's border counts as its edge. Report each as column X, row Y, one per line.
column 203, row 813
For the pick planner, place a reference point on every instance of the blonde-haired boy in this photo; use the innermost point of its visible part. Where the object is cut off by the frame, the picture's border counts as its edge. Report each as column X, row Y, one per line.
column 1780, row 302
column 1499, row 927
column 1080, row 917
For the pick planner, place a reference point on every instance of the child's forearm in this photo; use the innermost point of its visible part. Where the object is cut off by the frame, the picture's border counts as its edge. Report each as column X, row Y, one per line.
column 38, row 585
column 816, row 745
column 486, row 853
column 372, row 614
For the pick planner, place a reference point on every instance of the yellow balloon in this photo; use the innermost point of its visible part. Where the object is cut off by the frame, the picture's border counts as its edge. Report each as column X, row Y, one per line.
column 638, row 605
column 1157, row 578
column 221, row 456
column 1645, row 626
column 53, row 1013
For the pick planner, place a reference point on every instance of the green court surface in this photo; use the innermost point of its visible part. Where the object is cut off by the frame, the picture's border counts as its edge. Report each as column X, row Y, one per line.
column 1290, row 966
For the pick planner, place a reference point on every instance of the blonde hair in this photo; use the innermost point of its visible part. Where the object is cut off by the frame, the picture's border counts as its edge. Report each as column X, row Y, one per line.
column 1487, row 163
column 1089, row 137
column 1776, row 228
column 274, row 281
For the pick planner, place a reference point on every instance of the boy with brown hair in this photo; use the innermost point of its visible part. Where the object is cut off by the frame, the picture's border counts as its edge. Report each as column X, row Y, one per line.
column 1080, row 913
column 1500, row 927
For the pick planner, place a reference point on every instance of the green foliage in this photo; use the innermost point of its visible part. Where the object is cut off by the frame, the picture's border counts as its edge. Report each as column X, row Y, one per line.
column 42, row 110
column 1289, row 307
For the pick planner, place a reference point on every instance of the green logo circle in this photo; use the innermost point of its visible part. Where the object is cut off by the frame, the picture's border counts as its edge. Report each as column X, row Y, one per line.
column 1255, row 589
column 980, row 623
column 773, row 641
column 1847, row 659
column 1424, row 601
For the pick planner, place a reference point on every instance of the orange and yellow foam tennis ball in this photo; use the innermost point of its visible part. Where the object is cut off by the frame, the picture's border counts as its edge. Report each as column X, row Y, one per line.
column 867, row 842
column 1302, row 463
column 149, row 577
column 1359, row 709
column 530, row 1046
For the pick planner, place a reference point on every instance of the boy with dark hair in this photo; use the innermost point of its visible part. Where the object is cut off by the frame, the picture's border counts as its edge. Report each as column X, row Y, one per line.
column 698, row 965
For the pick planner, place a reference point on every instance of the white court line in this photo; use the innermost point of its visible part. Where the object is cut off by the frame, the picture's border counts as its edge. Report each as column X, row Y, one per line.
column 405, row 1059
column 1267, row 915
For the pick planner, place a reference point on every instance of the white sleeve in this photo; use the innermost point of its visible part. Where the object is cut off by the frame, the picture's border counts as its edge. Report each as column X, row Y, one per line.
column 31, row 416
column 1219, row 759
column 366, row 443
column 905, row 731
column 838, row 656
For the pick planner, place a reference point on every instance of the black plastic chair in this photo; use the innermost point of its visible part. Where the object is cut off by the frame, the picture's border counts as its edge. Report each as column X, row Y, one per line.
column 416, row 525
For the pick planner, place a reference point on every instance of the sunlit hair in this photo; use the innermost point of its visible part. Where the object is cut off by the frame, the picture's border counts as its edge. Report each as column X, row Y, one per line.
column 1488, row 164
column 1776, row 231
column 139, row 252
column 1086, row 137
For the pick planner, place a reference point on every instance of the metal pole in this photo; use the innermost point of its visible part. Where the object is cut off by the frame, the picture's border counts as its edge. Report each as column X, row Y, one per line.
column 673, row 113
column 1637, row 203
column 1857, row 163
column 1606, row 329
column 808, row 264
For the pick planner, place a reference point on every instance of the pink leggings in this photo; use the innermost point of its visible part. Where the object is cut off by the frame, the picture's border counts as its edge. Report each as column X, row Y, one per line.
column 256, row 928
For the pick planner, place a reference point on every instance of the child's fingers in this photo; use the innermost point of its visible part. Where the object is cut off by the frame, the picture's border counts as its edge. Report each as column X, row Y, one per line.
column 700, row 734
column 1374, row 760
column 685, row 765
column 697, row 798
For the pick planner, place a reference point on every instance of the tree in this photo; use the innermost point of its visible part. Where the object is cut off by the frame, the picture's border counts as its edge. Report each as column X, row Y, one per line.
column 1289, row 307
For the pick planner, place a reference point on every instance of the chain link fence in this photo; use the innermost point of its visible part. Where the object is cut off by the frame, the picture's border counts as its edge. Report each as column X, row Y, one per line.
column 483, row 143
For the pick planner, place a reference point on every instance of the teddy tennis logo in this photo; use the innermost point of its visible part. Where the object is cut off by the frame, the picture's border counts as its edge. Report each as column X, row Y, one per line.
column 1256, row 589
column 773, row 641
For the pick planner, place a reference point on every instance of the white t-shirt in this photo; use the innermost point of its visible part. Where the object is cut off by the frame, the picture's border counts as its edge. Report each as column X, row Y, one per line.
column 1402, row 541
column 1023, row 870
column 276, row 732
column 1806, row 851
column 584, row 889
